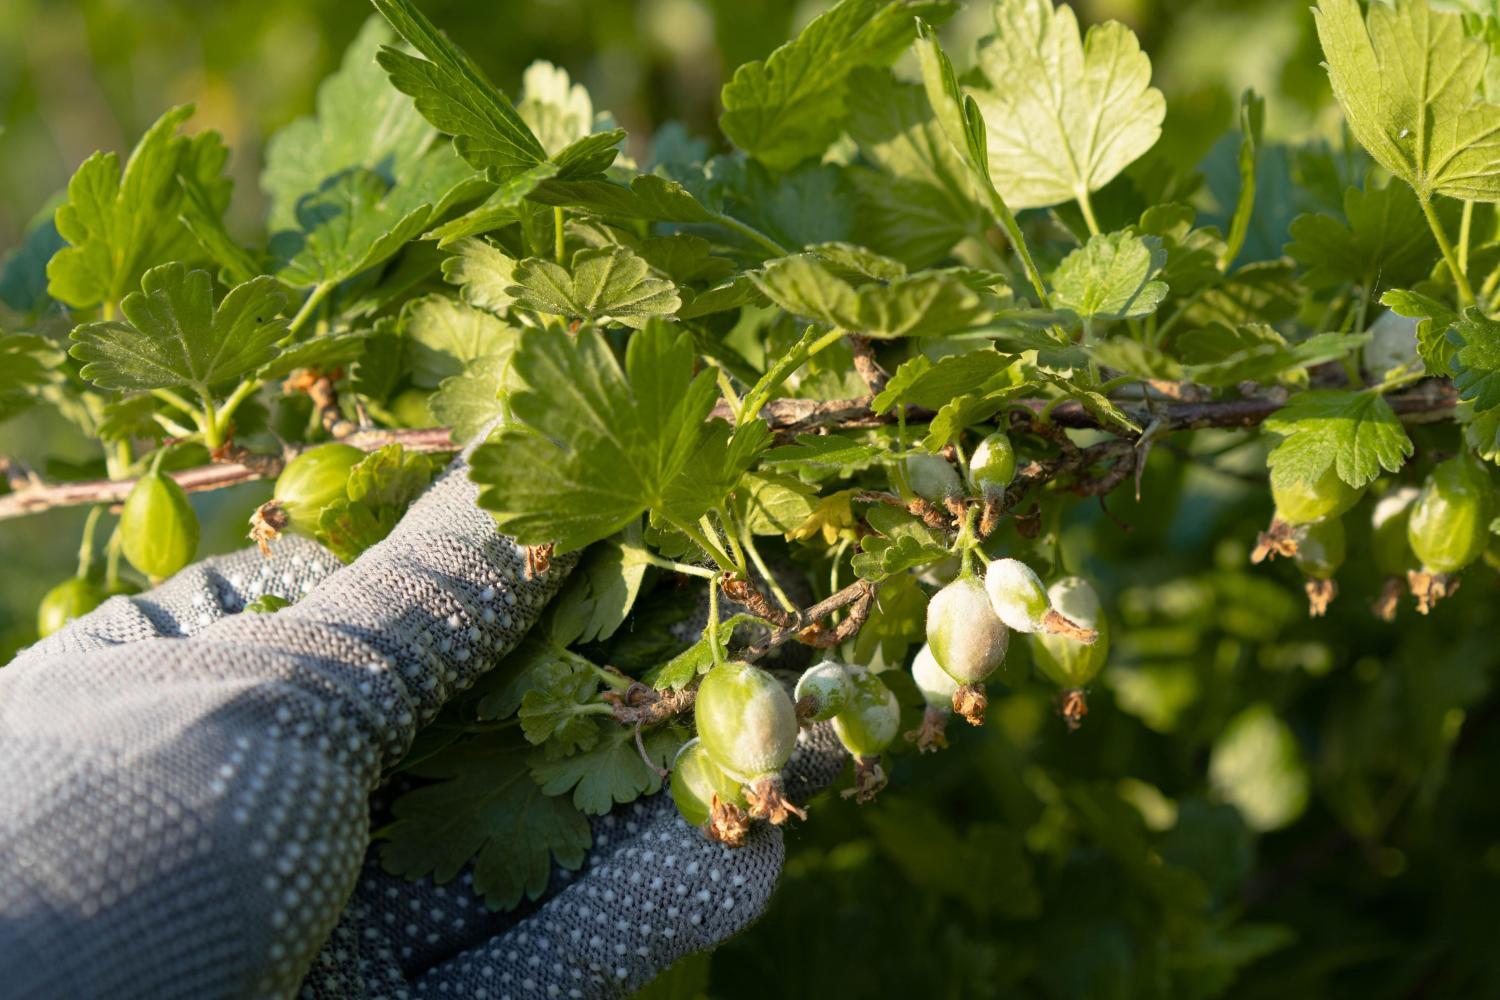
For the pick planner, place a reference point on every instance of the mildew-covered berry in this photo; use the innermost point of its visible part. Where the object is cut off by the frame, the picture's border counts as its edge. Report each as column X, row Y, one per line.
column 707, row 797
column 1018, row 597
column 823, row 690
column 968, row 640
column 1065, row 661
column 937, row 690
column 748, row 725
column 865, row 727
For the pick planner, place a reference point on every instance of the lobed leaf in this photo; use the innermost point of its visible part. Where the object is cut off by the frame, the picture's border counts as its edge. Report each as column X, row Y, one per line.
column 172, row 335
column 1065, row 114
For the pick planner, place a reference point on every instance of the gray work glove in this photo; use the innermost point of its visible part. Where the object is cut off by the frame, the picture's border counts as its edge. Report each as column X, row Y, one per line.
column 184, row 792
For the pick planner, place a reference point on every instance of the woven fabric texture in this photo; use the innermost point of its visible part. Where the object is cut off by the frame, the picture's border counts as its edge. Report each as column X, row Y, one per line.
column 186, row 798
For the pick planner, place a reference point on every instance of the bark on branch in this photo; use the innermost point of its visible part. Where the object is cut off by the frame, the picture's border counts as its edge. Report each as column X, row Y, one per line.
column 1426, row 403
column 32, row 498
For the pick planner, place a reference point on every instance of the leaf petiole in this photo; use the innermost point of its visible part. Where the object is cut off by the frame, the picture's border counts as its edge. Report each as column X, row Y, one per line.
column 86, row 543
column 779, row 372
column 308, row 309
column 687, row 569
column 1460, row 278
column 712, row 628
column 752, row 234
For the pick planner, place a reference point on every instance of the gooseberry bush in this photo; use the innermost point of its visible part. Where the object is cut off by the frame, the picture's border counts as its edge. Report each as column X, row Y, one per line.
column 806, row 411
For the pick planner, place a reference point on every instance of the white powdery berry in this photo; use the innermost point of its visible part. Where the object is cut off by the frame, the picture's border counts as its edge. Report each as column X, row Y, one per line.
column 932, row 477
column 966, row 636
column 932, row 680
column 1017, row 595
column 872, row 718
column 826, row 689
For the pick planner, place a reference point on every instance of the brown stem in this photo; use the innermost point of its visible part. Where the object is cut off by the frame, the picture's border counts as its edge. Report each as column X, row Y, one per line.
column 859, row 590
column 38, row 497
column 1427, row 403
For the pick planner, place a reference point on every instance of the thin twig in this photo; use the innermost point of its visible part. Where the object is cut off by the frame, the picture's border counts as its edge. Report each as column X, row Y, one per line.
column 856, row 591
column 39, row 497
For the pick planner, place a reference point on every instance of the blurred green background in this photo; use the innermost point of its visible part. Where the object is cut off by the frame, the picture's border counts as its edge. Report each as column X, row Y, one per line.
column 1357, row 854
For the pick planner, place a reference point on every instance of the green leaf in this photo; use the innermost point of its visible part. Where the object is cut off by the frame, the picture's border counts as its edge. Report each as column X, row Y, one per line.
column 26, row 362
column 826, row 451
column 961, row 412
column 1434, row 321
column 1262, row 292
column 452, row 93
column 383, row 364
column 483, row 272
column 328, row 351
column 267, row 604
column 684, row 258
column 1131, row 357
column 918, row 203
column 897, row 623
column 443, row 336
column 23, row 269
column 129, row 417
column 173, row 336
column 614, row 572
column 361, row 122
column 922, row 382
column 1356, row 433
column 1476, row 359
column 1111, row 278
column 903, row 543
column 612, row 772
column 484, row 808
column 926, row 304
column 698, row 658
column 856, row 263
column 602, row 282
column 657, row 199
column 501, row 208
column 380, row 487
column 714, row 470
column 1065, row 115
column 600, row 445
column 471, row 401
column 1221, row 356
column 558, row 708
column 1408, row 79
column 773, row 504
column 1192, row 254
column 1386, row 242
column 791, row 106
column 121, row 223
column 357, row 220
column 1099, row 406
column 558, row 111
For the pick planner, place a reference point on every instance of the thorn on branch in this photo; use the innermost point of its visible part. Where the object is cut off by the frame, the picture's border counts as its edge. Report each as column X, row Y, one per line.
column 857, row 592
column 538, row 560
column 874, row 376
column 742, row 591
column 822, row 637
column 646, row 706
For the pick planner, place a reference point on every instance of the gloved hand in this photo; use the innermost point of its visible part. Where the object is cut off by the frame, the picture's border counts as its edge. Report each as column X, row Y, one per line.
column 184, row 794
